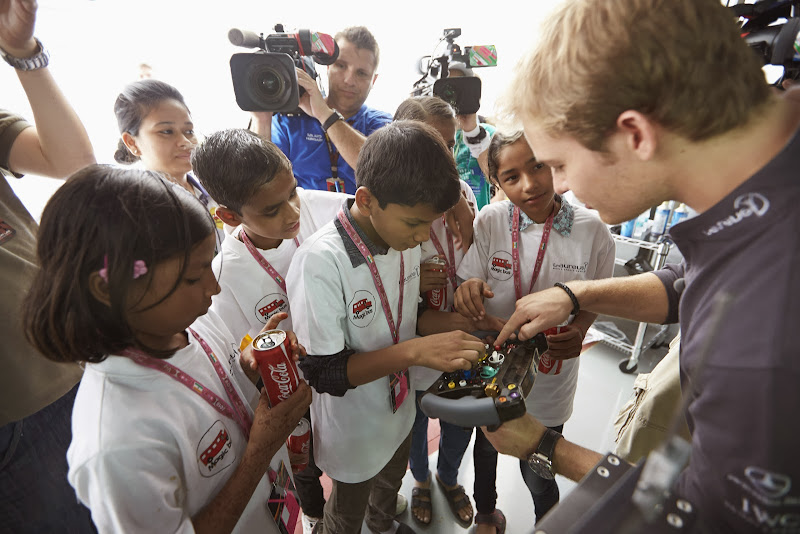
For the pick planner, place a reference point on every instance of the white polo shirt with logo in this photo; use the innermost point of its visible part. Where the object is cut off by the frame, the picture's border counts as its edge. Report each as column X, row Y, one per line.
column 580, row 247
column 336, row 307
column 248, row 295
column 148, row 453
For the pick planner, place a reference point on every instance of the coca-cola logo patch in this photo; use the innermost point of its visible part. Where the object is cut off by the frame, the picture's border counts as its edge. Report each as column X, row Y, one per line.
column 215, row 450
column 270, row 305
column 500, row 266
column 361, row 308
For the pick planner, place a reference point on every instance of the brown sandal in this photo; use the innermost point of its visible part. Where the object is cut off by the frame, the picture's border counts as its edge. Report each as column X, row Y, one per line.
column 496, row 519
column 458, row 500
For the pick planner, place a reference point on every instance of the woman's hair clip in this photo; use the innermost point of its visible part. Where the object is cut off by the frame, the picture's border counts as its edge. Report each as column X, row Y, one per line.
column 139, row 269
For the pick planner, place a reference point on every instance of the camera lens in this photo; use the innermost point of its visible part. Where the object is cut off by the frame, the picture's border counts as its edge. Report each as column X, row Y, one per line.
column 267, row 84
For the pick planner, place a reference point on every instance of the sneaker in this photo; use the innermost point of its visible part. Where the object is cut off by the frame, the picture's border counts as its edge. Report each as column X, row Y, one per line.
column 402, row 504
column 309, row 523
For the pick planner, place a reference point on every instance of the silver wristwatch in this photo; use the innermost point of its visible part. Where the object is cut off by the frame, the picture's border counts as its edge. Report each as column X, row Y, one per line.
column 37, row 61
column 541, row 461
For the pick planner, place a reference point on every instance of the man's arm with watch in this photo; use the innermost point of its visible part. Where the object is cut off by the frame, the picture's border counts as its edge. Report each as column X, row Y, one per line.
column 528, row 439
column 347, row 140
column 59, row 144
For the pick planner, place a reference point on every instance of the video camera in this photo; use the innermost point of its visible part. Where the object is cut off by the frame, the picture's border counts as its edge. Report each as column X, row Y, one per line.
column 464, row 94
column 267, row 80
column 776, row 44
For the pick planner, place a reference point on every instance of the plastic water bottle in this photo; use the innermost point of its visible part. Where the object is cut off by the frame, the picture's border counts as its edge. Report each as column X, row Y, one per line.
column 661, row 219
column 642, row 225
column 680, row 213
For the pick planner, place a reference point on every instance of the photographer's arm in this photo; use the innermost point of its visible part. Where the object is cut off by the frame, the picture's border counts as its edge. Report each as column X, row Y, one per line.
column 261, row 124
column 59, row 144
column 347, row 140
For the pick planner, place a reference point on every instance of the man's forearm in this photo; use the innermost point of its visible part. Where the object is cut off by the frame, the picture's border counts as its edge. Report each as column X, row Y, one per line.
column 365, row 367
column 60, row 145
column 347, row 140
column 640, row 297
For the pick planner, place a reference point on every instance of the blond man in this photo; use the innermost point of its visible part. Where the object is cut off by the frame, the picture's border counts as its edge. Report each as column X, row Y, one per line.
column 633, row 102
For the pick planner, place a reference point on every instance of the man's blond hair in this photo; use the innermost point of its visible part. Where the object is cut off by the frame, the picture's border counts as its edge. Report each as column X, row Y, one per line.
column 680, row 62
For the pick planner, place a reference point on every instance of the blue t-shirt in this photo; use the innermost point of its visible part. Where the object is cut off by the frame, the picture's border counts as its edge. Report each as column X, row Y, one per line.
column 302, row 140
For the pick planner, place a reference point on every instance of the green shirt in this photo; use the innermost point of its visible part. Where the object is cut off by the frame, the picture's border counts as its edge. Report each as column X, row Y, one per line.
column 469, row 170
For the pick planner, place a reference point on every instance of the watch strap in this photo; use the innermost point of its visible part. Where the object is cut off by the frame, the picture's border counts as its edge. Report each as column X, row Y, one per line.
column 37, row 61
column 333, row 119
column 548, row 444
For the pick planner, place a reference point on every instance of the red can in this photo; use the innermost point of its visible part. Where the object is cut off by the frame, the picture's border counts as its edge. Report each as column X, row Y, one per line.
column 437, row 298
column 548, row 365
column 273, row 352
column 299, row 442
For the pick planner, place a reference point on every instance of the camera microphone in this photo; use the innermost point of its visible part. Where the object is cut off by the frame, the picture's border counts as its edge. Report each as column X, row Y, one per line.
column 244, row 38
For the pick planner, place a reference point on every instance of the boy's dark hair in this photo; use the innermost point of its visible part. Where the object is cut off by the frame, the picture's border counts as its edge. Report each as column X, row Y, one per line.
column 407, row 162
column 499, row 141
column 362, row 38
column 233, row 164
column 134, row 103
column 104, row 216
column 422, row 108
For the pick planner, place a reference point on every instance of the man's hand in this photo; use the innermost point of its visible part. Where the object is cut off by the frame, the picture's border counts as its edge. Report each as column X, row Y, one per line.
column 448, row 352
column 312, row 101
column 248, row 360
column 272, row 426
column 468, row 298
column 467, row 123
column 17, row 19
column 537, row 312
column 431, row 276
column 518, row 437
column 566, row 344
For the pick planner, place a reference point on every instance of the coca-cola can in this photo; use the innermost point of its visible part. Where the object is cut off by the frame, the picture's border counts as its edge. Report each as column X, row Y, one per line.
column 437, row 298
column 273, row 352
column 298, row 442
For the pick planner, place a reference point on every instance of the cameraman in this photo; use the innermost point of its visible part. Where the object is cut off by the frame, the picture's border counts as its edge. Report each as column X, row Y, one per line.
column 472, row 142
column 675, row 106
column 324, row 144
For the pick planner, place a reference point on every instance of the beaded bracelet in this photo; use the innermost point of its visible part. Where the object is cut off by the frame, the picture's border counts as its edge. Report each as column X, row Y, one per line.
column 576, row 307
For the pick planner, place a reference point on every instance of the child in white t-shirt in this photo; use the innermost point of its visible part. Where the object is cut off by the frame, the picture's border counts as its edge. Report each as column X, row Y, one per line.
column 530, row 242
column 162, row 439
column 354, row 291
column 258, row 195
column 437, row 287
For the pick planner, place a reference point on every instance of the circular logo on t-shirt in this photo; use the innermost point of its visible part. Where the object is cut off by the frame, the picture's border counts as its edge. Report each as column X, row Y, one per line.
column 361, row 309
column 500, row 266
column 215, row 450
column 270, row 305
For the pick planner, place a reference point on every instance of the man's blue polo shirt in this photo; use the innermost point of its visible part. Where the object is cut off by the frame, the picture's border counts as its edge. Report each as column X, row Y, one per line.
column 302, row 140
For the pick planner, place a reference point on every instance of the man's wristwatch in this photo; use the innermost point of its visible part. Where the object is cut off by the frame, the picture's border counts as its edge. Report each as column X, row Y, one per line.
column 37, row 61
column 333, row 119
column 541, row 461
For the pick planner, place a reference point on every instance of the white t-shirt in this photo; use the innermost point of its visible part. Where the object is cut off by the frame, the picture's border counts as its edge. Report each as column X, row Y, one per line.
column 248, row 295
column 586, row 253
column 335, row 306
column 148, row 453
column 425, row 376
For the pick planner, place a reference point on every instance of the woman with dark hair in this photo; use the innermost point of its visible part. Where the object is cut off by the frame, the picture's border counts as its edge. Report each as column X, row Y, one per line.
column 156, row 128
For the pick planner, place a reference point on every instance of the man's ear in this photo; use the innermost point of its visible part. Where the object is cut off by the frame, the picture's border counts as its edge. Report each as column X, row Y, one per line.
column 130, row 142
column 374, row 79
column 365, row 201
column 98, row 287
column 640, row 133
column 228, row 216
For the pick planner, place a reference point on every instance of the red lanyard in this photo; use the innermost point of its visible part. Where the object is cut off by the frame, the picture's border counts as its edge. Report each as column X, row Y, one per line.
column 238, row 413
column 376, row 277
column 515, row 251
column 451, row 259
column 263, row 262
